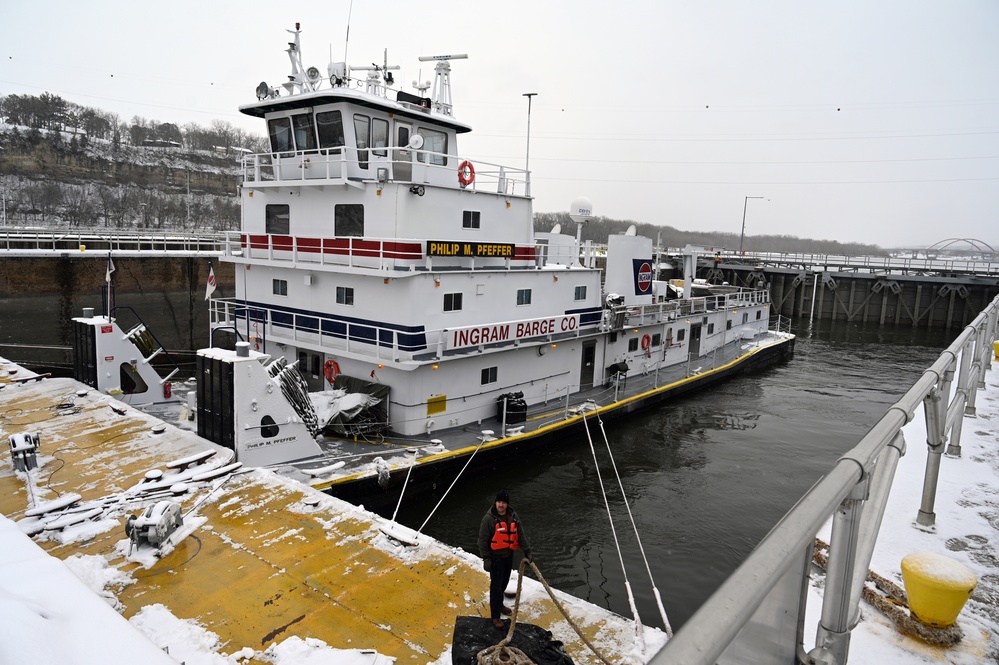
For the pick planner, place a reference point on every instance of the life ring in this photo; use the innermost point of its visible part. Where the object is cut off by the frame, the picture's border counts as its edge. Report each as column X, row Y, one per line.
column 466, row 173
column 331, row 370
column 646, row 342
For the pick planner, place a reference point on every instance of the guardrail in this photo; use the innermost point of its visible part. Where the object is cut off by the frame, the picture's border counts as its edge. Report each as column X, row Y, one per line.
column 887, row 264
column 760, row 608
column 22, row 242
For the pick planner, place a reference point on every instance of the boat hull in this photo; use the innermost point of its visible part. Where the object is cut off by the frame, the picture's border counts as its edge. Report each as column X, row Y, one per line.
column 431, row 477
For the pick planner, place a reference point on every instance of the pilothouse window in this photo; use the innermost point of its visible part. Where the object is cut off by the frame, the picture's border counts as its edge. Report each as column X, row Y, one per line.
column 362, row 139
column 305, row 135
column 433, row 142
column 279, row 130
column 379, row 136
column 330, row 127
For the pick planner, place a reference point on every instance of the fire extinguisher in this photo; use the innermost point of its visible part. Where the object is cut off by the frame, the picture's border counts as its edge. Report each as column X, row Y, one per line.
column 167, row 390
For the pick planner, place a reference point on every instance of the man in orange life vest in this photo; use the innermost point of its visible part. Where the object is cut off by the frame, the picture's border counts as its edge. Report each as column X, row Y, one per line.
column 500, row 535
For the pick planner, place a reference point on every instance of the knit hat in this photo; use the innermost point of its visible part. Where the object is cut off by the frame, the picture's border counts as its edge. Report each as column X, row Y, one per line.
column 503, row 496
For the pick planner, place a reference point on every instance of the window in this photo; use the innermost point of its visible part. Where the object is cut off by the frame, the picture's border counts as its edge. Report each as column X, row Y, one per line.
column 633, row 344
column 305, row 135
column 488, row 375
column 278, row 218
column 711, row 328
column 745, row 317
column 362, row 139
column 580, row 293
column 433, row 142
column 280, row 287
column 452, row 302
column 728, row 324
column 348, row 220
column 680, row 334
column 329, row 124
column 656, row 339
column 758, row 315
column 317, row 366
column 379, row 136
column 523, row 296
column 470, row 219
column 345, row 295
column 279, row 130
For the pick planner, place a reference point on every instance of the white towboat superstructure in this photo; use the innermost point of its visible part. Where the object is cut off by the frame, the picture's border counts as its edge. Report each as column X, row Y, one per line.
column 379, row 261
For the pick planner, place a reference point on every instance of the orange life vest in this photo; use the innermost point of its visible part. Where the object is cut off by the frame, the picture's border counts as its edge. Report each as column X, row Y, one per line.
column 504, row 538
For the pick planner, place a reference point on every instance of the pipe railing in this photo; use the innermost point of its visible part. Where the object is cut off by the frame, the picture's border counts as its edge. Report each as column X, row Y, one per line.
column 854, row 494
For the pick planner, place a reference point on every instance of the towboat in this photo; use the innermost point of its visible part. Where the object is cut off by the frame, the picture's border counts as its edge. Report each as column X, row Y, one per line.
column 396, row 314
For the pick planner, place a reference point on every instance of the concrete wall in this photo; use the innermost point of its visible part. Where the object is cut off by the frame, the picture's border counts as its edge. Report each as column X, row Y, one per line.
column 40, row 296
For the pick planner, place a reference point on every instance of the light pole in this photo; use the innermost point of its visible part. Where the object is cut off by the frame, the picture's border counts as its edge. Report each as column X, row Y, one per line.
column 742, row 235
column 527, row 161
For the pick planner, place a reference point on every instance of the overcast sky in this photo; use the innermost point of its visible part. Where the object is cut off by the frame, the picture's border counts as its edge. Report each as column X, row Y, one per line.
column 857, row 121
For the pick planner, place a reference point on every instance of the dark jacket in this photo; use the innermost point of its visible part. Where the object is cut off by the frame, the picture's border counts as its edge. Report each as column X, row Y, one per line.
column 510, row 523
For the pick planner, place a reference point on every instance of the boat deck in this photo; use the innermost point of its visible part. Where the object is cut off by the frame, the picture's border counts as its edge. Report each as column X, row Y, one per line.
column 260, row 558
column 351, row 468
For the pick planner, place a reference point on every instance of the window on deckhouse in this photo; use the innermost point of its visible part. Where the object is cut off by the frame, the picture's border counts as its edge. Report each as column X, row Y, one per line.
column 362, row 139
column 489, row 375
column 279, row 130
column 452, row 302
column 379, row 136
column 329, row 125
column 434, row 141
column 277, row 219
column 470, row 219
column 344, row 295
column 523, row 296
column 348, row 220
column 305, row 135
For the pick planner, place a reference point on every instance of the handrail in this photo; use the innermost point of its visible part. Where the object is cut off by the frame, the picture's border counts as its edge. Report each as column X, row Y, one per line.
column 853, row 493
column 118, row 242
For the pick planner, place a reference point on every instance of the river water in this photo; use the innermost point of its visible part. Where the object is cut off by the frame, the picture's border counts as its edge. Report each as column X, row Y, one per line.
column 706, row 476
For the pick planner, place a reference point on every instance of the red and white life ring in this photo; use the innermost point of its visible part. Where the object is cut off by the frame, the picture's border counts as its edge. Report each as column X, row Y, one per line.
column 466, row 173
column 331, row 370
column 646, row 342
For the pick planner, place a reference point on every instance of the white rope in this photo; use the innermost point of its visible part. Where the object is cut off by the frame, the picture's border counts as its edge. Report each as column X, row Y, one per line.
column 655, row 590
column 481, row 443
column 404, row 484
column 639, row 630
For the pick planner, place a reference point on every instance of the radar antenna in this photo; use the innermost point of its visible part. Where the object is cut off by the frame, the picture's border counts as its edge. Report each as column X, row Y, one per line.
column 441, row 96
column 377, row 74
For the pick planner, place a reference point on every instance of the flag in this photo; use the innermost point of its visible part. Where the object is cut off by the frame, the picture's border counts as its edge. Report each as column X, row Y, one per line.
column 110, row 268
column 211, row 283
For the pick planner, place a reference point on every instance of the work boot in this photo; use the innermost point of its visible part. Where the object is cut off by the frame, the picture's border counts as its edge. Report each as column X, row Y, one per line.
column 510, row 594
column 506, row 611
column 498, row 624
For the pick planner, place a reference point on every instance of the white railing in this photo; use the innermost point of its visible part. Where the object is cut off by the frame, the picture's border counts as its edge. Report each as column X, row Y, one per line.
column 120, row 243
column 760, row 609
column 344, row 165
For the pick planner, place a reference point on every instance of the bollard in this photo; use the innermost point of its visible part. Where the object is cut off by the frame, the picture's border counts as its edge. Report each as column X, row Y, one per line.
column 937, row 587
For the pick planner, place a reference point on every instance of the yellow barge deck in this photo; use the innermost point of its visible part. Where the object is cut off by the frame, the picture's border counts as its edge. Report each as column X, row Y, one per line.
column 266, row 558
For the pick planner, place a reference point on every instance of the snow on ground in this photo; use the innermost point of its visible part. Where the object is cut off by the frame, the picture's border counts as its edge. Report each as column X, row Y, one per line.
column 966, row 530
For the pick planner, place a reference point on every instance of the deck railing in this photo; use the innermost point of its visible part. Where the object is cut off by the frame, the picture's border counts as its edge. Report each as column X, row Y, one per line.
column 760, row 608
column 21, row 242
column 347, row 165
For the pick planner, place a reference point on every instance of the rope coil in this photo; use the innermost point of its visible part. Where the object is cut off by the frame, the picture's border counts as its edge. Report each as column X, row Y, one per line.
column 501, row 654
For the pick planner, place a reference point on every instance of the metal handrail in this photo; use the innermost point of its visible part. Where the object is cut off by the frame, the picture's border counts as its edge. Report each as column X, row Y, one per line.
column 854, row 493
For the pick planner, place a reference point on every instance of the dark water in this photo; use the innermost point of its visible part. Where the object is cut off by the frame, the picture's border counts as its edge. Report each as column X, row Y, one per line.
column 706, row 476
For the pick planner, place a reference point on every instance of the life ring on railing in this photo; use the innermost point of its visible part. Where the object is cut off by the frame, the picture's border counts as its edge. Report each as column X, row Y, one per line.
column 646, row 342
column 331, row 370
column 466, row 173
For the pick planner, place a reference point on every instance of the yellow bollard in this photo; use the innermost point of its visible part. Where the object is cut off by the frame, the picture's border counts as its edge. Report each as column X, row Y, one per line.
column 937, row 586
column 83, row 248
column 995, row 347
